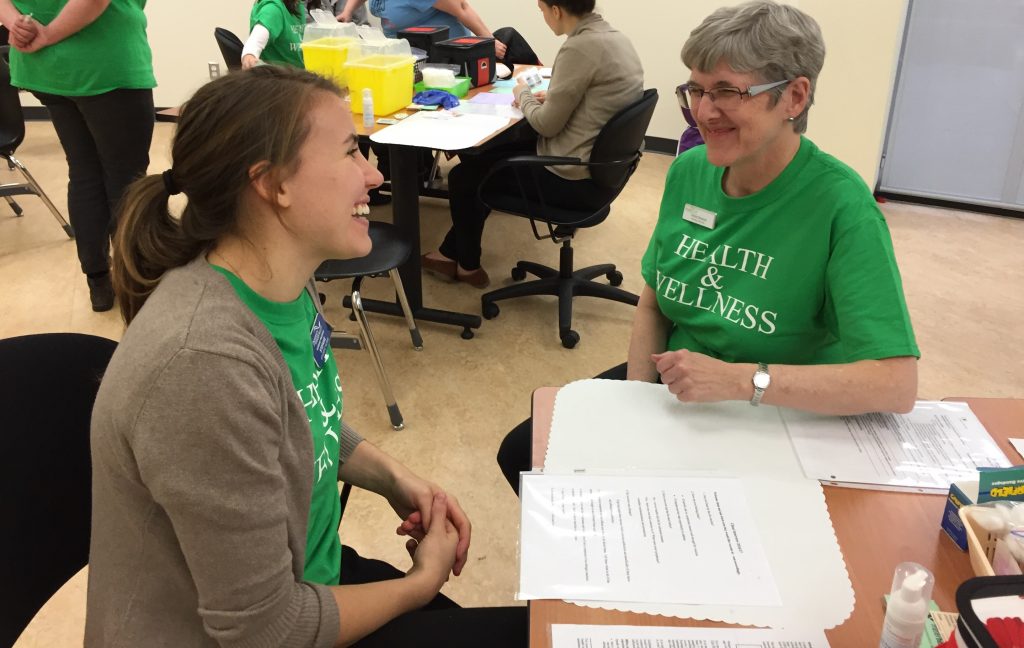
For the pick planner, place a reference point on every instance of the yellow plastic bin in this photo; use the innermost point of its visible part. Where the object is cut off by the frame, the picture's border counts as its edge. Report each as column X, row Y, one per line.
column 327, row 57
column 388, row 76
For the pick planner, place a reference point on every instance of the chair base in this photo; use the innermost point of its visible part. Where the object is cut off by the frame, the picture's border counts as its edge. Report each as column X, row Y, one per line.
column 30, row 188
column 565, row 283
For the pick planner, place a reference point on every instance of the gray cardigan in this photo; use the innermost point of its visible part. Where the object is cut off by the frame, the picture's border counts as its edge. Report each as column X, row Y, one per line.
column 202, row 463
column 596, row 74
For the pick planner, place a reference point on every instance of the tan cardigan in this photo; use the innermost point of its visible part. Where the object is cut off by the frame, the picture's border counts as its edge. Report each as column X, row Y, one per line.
column 596, row 74
column 202, row 474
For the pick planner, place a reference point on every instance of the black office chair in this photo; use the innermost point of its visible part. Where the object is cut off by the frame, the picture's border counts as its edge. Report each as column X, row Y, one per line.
column 12, row 133
column 230, row 47
column 48, row 385
column 615, row 156
column 390, row 250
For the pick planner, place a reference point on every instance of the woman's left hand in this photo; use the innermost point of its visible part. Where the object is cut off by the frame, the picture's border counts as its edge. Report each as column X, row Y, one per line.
column 28, row 35
column 697, row 378
column 412, row 497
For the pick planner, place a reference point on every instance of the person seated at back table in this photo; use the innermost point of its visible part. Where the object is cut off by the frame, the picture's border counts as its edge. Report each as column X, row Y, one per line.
column 770, row 276
column 458, row 16
column 596, row 74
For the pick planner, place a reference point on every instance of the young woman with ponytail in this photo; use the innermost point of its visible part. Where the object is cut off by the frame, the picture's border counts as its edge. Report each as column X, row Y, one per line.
column 217, row 440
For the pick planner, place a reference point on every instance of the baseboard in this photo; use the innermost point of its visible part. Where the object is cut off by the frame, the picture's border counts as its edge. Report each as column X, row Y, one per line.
column 949, row 204
column 660, row 145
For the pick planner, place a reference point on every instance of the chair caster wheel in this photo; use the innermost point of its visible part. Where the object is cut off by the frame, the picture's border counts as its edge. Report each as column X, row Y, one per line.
column 352, row 316
column 518, row 274
column 467, row 334
column 490, row 310
column 614, row 278
column 570, row 338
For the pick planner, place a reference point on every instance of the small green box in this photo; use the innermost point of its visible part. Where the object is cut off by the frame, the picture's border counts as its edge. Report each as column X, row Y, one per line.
column 460, row 89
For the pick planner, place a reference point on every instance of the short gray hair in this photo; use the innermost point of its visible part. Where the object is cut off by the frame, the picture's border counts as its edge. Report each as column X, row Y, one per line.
column 770, row 40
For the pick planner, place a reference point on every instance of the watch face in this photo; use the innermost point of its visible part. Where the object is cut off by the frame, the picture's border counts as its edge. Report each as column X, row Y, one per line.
column 761, row 380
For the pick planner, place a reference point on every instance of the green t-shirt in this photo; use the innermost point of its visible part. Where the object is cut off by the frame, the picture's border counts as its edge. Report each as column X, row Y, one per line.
column 801, row 272
column 285, row 29
column 111, row 53
column 319, row 390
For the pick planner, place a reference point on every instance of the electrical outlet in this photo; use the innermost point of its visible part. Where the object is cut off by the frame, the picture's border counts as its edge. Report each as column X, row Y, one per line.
column 214, row 68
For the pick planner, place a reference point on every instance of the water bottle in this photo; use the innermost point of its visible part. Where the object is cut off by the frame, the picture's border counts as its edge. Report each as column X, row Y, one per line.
column 367, row 108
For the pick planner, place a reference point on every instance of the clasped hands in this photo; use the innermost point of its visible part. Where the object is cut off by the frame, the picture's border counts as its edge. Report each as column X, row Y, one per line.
column 417, row 502
column 698, row 378
column 28, row 34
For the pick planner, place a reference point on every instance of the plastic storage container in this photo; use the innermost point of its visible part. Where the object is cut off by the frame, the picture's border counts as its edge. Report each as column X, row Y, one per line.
column 474, row 56
column 326, row 48
column 386, row 68
column 460, row 89
column 424, row 37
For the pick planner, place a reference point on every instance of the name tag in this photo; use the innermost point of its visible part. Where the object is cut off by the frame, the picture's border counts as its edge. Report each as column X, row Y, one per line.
column 699, row 216
column 320, row 338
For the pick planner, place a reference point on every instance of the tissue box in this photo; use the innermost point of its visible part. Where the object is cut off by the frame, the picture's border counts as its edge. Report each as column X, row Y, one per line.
column 993, row 485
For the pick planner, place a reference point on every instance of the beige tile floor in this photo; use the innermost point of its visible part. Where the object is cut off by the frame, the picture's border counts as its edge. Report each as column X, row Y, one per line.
column 962, row 273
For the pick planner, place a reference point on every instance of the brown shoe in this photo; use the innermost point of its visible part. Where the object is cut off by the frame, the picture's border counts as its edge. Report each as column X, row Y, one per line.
column 477, row 278
column 443, row 268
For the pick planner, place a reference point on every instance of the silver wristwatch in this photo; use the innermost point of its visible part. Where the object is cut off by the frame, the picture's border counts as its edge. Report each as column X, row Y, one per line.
column 761, row 381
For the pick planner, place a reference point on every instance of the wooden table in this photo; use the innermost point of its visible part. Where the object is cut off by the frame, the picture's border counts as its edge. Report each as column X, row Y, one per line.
column 405, row 193
column 877, row 530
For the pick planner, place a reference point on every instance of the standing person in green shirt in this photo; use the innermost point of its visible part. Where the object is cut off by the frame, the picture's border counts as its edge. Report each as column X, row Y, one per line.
column 770, row 276
column 89, row 63
column 275, row 33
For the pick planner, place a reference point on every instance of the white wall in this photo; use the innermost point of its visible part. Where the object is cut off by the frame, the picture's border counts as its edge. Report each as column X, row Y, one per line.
column 848, row 120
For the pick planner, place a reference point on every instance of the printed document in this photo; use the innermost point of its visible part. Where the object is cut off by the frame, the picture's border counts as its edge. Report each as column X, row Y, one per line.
column 934, row 445
column 662, row 539
column 601, row 636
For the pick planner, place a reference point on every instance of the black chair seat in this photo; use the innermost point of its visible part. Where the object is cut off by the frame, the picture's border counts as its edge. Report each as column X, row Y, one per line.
column 517, row 204
column 389, row 251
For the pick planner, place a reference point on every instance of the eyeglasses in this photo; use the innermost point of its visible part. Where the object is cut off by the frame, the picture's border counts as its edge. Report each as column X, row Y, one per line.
column 689, row 96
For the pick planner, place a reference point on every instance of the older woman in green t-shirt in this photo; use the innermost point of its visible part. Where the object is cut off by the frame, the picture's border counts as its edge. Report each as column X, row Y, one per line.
column 89, row 63
column 770, row 276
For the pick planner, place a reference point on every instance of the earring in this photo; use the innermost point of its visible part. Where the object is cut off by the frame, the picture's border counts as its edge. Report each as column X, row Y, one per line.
column 791, row 119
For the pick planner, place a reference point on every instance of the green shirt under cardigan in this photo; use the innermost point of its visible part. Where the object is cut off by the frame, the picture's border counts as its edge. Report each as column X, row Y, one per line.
column 202, row 463
column 110, row 53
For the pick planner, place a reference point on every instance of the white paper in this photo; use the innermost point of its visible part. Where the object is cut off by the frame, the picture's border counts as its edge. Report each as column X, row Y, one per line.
column 442, row 130
column 653, row 539
column 606, row 636
column 605, row 425
column 928, row 449
column 508, row 112
column 1018, row 445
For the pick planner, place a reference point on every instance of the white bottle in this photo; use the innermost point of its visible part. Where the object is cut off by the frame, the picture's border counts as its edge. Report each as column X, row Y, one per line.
column 908, row 606
column 367, row 108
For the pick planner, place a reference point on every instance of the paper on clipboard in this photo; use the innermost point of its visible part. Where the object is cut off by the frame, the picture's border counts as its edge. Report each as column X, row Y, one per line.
column 607, row 636
column 926, row 450
column 657, row 538
column 443, row 131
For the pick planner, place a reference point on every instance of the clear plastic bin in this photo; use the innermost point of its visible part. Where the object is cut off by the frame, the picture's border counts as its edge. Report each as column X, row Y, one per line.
column 327, row 47
column 388, row 75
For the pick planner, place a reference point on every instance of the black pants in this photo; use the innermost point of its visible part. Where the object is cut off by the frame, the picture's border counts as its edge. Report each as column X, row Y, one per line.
column 517, row 50
column 106, row 141
column 439, row 623
column 463, row 241
column 516, row 451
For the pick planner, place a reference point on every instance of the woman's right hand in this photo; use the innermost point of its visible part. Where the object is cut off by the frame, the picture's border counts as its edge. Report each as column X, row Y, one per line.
column 249, row 61
column 434, row 556
column 345, row 16
column 500, row 49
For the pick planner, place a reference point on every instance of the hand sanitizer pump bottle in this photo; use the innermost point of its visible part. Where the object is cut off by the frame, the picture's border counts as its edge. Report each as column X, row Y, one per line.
column 908, row 606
